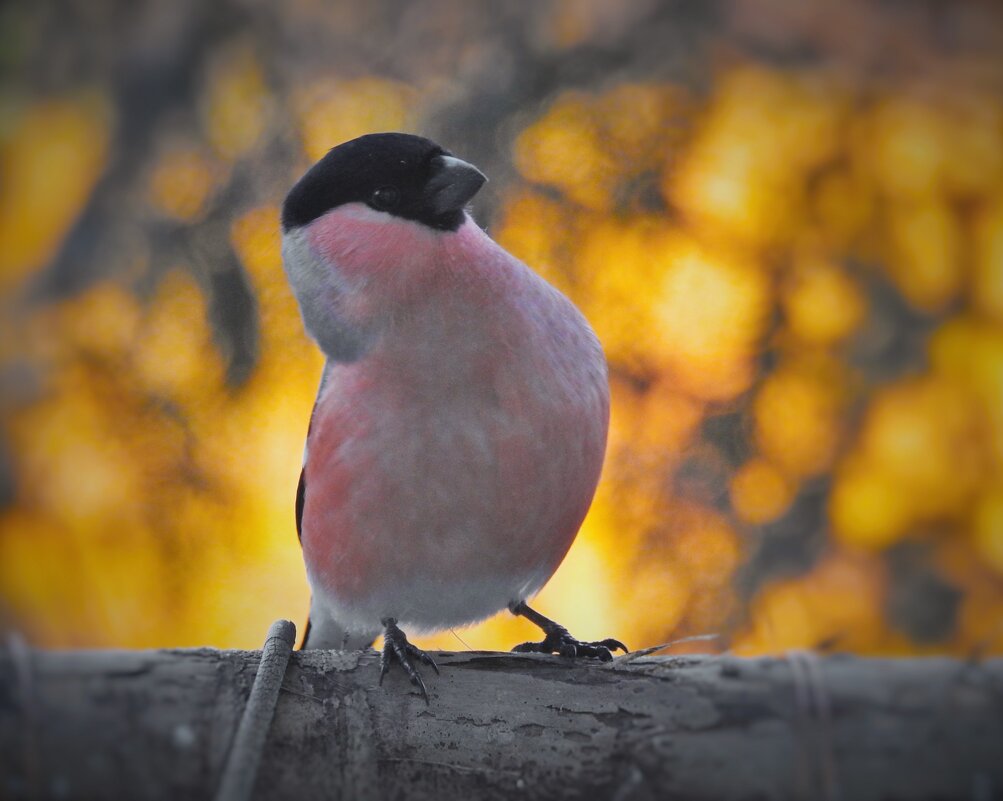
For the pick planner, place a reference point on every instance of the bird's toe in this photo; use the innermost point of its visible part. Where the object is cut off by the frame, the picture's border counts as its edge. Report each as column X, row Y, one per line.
column 396, row 648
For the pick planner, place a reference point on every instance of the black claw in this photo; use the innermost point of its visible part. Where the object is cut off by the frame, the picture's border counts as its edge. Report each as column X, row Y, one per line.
column 420, row 654
column 558, row 640
column 568, row 646
column 396, row 648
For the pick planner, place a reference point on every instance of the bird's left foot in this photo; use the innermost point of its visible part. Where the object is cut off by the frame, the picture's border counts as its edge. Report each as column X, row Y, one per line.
column 396, row 648
column 558, row 640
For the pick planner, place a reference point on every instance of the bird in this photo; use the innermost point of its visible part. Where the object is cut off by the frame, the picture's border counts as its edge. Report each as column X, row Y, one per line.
column 460, row 426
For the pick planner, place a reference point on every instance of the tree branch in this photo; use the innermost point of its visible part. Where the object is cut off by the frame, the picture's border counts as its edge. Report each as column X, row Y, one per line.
column 159, row 724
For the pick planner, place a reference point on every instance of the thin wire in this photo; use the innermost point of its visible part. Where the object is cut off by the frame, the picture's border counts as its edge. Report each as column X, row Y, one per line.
column 453, row 632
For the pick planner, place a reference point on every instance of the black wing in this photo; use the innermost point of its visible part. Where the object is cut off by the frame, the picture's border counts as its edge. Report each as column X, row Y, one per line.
column 301, row 495
column 301, row 488
column 300, row 499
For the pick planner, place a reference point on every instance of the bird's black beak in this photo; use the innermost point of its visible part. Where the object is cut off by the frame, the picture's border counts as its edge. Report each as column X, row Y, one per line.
column 452, row 184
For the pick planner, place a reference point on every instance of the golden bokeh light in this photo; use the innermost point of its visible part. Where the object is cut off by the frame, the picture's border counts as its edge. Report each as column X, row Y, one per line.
column 710, row 313
column 174, row 356
column 237, row 105
column 909, row 145
column 52, row 155
column 918, row 460
column 987, row 529
column 743, row 176
column 181, row 182
column 821, row 303
column 867, row 510
column 330, row 111
column 831, row 605
column 987, row 281
column 926, row 261
column 565, row 148
column 621, row 263
column 797, row 417
column 967, row 353
column 760, row 492
column 537, row 229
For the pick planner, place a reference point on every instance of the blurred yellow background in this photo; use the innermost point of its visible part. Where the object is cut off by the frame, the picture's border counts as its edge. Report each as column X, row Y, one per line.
column 785, row 225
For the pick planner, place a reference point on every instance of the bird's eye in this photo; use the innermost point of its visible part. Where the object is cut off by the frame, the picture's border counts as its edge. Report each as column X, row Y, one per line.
column 385, row 198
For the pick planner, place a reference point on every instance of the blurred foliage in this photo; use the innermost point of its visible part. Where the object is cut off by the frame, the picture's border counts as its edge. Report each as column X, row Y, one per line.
column 786, row 226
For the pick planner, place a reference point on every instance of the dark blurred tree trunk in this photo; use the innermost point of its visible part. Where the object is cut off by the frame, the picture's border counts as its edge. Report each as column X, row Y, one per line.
column 158, row 724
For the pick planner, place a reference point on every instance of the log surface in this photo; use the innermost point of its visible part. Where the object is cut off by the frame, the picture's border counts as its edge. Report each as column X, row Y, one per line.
column 158, row 725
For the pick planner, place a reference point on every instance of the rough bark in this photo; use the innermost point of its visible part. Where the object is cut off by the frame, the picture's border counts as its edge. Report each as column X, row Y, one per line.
column 158, row 724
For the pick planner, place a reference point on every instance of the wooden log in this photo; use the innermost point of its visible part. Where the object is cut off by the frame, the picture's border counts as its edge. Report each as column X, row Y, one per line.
column 158, row 725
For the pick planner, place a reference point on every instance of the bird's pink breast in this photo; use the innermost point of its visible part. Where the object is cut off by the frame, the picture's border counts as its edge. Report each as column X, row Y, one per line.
column 465, row 446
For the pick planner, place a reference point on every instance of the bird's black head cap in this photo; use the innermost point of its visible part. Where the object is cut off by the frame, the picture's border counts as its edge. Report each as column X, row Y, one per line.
column 405, row 175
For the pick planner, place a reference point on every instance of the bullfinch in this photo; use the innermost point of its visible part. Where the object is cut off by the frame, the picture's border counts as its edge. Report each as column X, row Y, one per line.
column 460, row 426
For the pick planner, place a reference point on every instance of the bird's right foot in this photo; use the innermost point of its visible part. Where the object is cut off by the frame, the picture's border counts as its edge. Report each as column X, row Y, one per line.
column 557, row 639
column 396, row 648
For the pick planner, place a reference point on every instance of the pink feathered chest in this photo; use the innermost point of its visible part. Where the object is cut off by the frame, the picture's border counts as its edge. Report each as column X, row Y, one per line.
column 467, row 440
